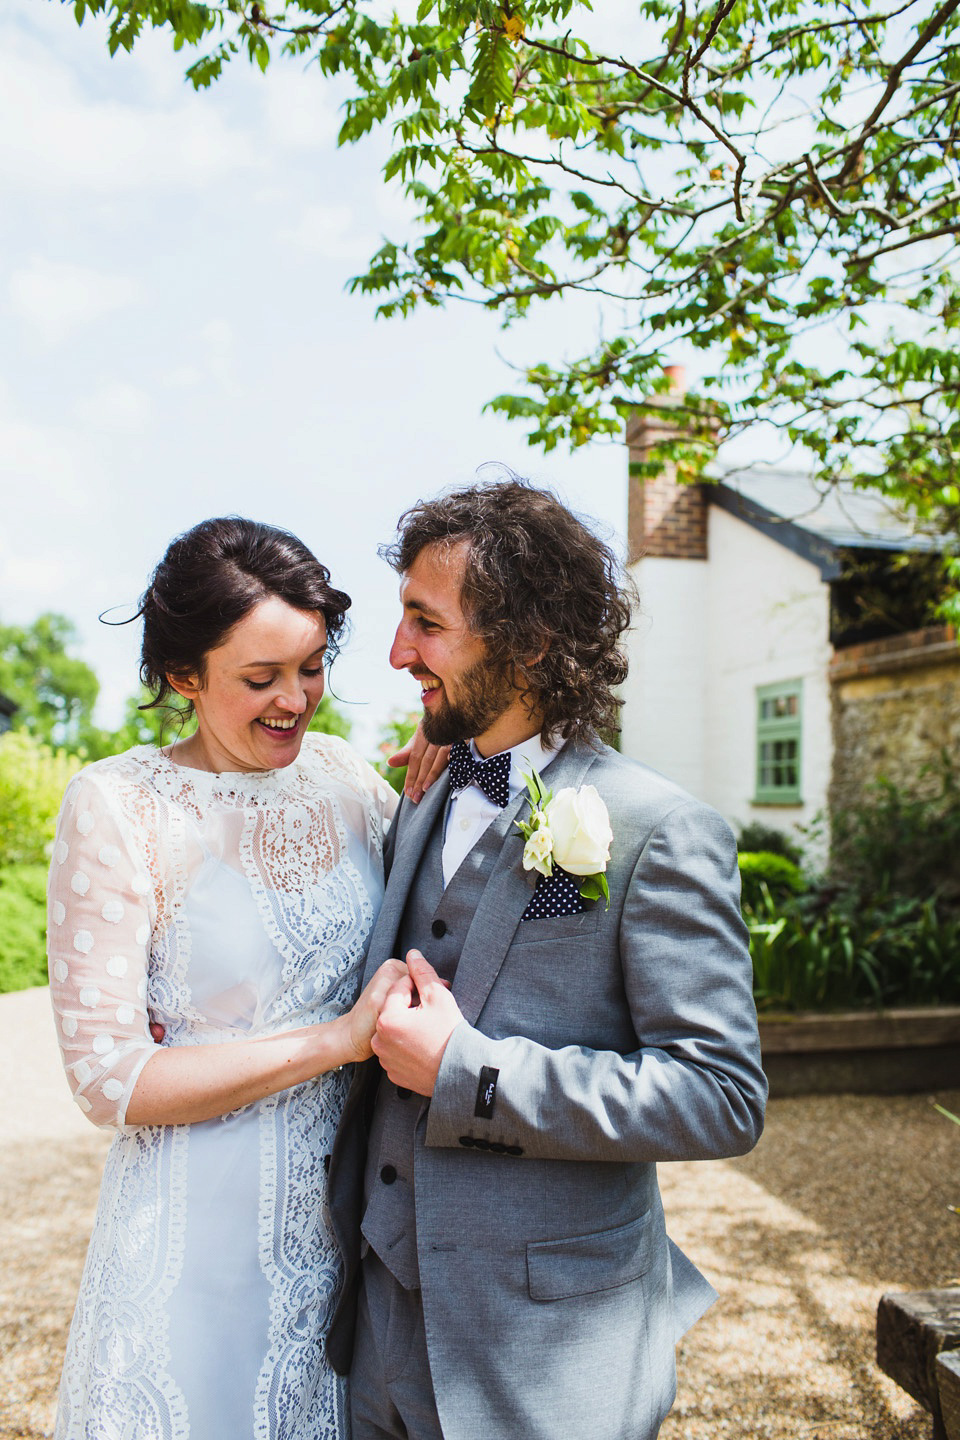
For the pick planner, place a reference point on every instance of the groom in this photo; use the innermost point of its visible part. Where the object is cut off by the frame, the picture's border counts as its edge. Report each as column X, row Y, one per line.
column 493, row 1186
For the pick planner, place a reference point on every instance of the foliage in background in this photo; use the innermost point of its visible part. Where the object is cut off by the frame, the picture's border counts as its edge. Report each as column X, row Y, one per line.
column 763, row 868
column 33, row 778
column 755, row 835
column 772, row 182
column 900, row 843
column 393, row 736
column 55, row 691
column 23, row 907
column 852, row 953
column 883, row 926
column 329, row 720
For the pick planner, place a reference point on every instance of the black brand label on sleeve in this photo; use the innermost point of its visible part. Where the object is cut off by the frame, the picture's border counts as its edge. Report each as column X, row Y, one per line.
column 486, row 1092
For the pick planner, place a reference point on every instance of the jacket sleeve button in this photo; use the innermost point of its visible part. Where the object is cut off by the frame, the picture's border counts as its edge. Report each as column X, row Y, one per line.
column 466, row 1140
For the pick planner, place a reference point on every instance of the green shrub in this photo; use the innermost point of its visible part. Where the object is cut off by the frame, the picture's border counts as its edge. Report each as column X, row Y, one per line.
column 755, row 836
column 32, row 781
column 900, row 843
column 883, row 928
column 834, row 951
column 394, row 734
column 22, row 927
column 781, row 876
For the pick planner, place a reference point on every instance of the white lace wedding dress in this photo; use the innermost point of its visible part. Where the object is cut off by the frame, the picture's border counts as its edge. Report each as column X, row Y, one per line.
column 224, row 907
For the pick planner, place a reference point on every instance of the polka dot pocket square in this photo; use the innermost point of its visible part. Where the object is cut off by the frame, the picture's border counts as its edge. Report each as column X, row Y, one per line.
column 556, row 894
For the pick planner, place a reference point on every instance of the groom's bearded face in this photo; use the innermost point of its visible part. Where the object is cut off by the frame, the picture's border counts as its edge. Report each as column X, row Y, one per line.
column 463, row 693
column 468, row 704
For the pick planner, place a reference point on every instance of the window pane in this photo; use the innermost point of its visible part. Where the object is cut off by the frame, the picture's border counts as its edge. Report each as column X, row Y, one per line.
column 779, row 742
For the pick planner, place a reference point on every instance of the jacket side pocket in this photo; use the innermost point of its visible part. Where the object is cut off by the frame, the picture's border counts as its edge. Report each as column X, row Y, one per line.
column 584, row 1264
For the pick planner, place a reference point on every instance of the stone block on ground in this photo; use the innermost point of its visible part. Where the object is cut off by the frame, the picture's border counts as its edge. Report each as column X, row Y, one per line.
column 948, row 1386
column 913, row 1329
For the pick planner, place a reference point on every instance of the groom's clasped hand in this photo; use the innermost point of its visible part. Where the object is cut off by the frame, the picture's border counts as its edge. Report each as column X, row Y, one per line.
column 418, row 1017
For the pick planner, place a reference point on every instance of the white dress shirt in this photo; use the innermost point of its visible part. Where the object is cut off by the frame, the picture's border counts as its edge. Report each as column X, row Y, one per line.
column 469, row 811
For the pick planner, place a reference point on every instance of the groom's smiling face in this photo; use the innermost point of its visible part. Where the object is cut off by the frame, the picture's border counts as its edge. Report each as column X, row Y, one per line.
column 464, row 697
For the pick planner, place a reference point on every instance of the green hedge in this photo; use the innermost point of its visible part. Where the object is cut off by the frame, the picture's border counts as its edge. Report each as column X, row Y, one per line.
column 782, row 877
column 23, row 959
column 837, row 951
column 32, row 781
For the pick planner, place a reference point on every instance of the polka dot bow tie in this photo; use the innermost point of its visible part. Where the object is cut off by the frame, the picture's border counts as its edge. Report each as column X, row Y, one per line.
column 491, row 776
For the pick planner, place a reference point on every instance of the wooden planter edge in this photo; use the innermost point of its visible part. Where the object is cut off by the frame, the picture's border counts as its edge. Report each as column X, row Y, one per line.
column 793, row 1034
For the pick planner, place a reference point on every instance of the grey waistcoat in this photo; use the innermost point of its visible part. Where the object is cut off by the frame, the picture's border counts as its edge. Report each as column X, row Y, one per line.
column 435, row 921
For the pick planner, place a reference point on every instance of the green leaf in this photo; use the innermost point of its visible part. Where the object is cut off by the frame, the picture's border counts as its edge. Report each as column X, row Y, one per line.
column 592, row 887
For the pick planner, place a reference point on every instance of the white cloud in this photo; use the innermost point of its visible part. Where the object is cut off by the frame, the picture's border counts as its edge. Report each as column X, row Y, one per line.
column 184, row 377
column 116, row 407
column 212, row 351
column 327, row 231
column 219, row 351
column 300, row 110
column 32, row 578
column 36, row 459
column 54, row 297
column 58, row 138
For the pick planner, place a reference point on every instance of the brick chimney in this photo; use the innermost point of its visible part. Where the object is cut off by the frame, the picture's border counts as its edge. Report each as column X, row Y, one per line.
column 664, row 518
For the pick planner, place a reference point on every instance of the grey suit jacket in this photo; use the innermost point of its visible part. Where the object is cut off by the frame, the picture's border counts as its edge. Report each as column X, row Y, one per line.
column 622, row 1037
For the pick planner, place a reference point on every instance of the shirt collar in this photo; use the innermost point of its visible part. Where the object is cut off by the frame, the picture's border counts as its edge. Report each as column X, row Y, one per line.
column 526, row 757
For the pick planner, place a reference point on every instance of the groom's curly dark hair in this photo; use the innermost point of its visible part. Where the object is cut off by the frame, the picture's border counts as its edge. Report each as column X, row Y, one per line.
column 548, row 598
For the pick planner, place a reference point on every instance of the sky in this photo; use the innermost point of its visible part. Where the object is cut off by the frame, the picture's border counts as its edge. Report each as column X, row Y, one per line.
column 176, row 342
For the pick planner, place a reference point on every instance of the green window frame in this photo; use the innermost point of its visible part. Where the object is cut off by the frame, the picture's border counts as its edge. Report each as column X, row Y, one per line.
column 779, row 743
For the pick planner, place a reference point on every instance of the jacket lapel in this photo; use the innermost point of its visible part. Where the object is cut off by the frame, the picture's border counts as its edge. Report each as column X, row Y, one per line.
column 508, row 892
column 415, row 824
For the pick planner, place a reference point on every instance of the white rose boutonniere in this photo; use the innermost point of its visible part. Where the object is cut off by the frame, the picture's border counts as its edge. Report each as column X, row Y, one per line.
column 572, row 830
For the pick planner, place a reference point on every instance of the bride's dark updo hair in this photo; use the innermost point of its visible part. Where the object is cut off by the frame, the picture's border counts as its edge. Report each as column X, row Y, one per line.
column 210, row 578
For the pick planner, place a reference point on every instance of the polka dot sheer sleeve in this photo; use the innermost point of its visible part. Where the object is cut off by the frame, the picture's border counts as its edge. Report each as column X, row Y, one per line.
column 98, row 938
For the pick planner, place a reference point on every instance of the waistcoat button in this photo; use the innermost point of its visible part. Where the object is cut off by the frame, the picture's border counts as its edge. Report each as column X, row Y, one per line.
column 388, row 1174
column 438, row 929
column 402, row 1094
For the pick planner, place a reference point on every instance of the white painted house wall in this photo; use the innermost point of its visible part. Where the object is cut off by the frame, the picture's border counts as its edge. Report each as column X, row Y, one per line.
column 710, row 633
column 666, row 688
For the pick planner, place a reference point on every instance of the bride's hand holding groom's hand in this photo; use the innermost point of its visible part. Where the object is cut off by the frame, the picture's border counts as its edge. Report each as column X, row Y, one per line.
column 417, row 1019
column 361, row 1020
column 353, row 1031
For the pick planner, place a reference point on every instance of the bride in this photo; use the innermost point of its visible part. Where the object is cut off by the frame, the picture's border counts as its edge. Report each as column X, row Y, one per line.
column 223, row 888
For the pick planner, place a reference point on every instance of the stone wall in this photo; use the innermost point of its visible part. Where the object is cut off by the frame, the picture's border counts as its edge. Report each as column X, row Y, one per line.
column 895, row 710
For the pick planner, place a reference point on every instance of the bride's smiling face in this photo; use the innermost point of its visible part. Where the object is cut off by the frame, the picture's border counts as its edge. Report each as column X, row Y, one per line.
column 258, row 692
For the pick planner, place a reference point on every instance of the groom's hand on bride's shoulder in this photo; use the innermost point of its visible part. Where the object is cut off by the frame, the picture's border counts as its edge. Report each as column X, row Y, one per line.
column 425, row 763
column 418, row 1017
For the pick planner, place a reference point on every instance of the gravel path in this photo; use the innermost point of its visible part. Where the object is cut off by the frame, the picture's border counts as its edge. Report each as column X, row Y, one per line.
column 845, row 1197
